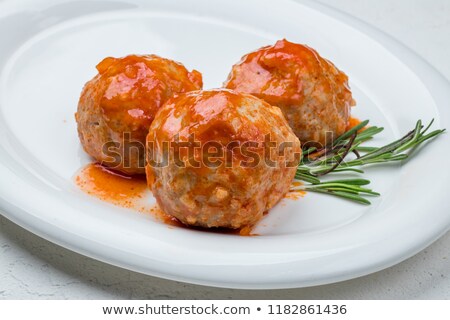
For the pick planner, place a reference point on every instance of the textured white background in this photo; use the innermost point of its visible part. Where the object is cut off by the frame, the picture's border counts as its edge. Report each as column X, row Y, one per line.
column 33, row 268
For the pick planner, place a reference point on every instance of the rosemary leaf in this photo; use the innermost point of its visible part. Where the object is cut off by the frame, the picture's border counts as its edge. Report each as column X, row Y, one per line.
column 333, row 159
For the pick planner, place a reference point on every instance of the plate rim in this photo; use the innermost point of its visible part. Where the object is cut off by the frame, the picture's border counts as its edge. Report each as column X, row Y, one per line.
column 394, row 46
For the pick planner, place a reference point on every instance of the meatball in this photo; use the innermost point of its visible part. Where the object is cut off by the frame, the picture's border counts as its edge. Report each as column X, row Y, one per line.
column 219, row 158
column 118, row 105
column 312, row 93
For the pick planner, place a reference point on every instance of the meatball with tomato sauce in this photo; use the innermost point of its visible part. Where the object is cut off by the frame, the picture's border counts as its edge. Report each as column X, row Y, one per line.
column 312, row 93
column 219, row 158
column 118, row 105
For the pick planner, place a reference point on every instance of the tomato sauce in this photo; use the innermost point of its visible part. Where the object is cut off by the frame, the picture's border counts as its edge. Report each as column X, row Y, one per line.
column 112, row 186
column 295, row 194
column 129, row 192
column 354, row 122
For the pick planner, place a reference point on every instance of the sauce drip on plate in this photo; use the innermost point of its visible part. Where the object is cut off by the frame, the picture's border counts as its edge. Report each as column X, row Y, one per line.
column 295, row 194
column 354, row 122
column 111, row 186
column 130, row 192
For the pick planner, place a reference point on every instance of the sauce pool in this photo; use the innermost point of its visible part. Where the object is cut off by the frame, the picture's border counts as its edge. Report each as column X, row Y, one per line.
column 130, row 192
column 111, row 186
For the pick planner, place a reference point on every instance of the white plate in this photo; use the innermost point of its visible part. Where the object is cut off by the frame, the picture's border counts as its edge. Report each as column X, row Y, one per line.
column 48, row 51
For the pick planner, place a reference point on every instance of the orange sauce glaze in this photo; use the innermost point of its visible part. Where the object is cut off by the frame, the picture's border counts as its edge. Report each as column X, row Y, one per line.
column 354, row 122
column 295, row 194
column 134, row 87
column 111, row 186
column 274, row 72
column 127, row 191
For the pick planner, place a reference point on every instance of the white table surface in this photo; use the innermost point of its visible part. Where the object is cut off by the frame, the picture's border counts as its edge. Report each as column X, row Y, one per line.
column 33, row 268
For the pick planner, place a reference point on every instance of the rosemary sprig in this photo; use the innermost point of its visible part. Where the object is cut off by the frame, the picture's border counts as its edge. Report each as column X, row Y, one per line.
column 345, row 188
column 332, row 159
column 395, row 151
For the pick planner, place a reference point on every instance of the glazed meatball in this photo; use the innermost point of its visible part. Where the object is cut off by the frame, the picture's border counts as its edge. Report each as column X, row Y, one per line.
column 312, row 93
column 118, row 105
column 238, row 160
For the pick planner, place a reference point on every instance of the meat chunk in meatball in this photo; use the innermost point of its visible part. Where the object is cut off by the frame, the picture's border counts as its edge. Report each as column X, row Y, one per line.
column 312, row 93
column 118, row 105
column 219, row 158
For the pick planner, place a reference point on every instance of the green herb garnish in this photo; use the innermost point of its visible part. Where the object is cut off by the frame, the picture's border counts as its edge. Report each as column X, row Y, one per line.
column 335, row 158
